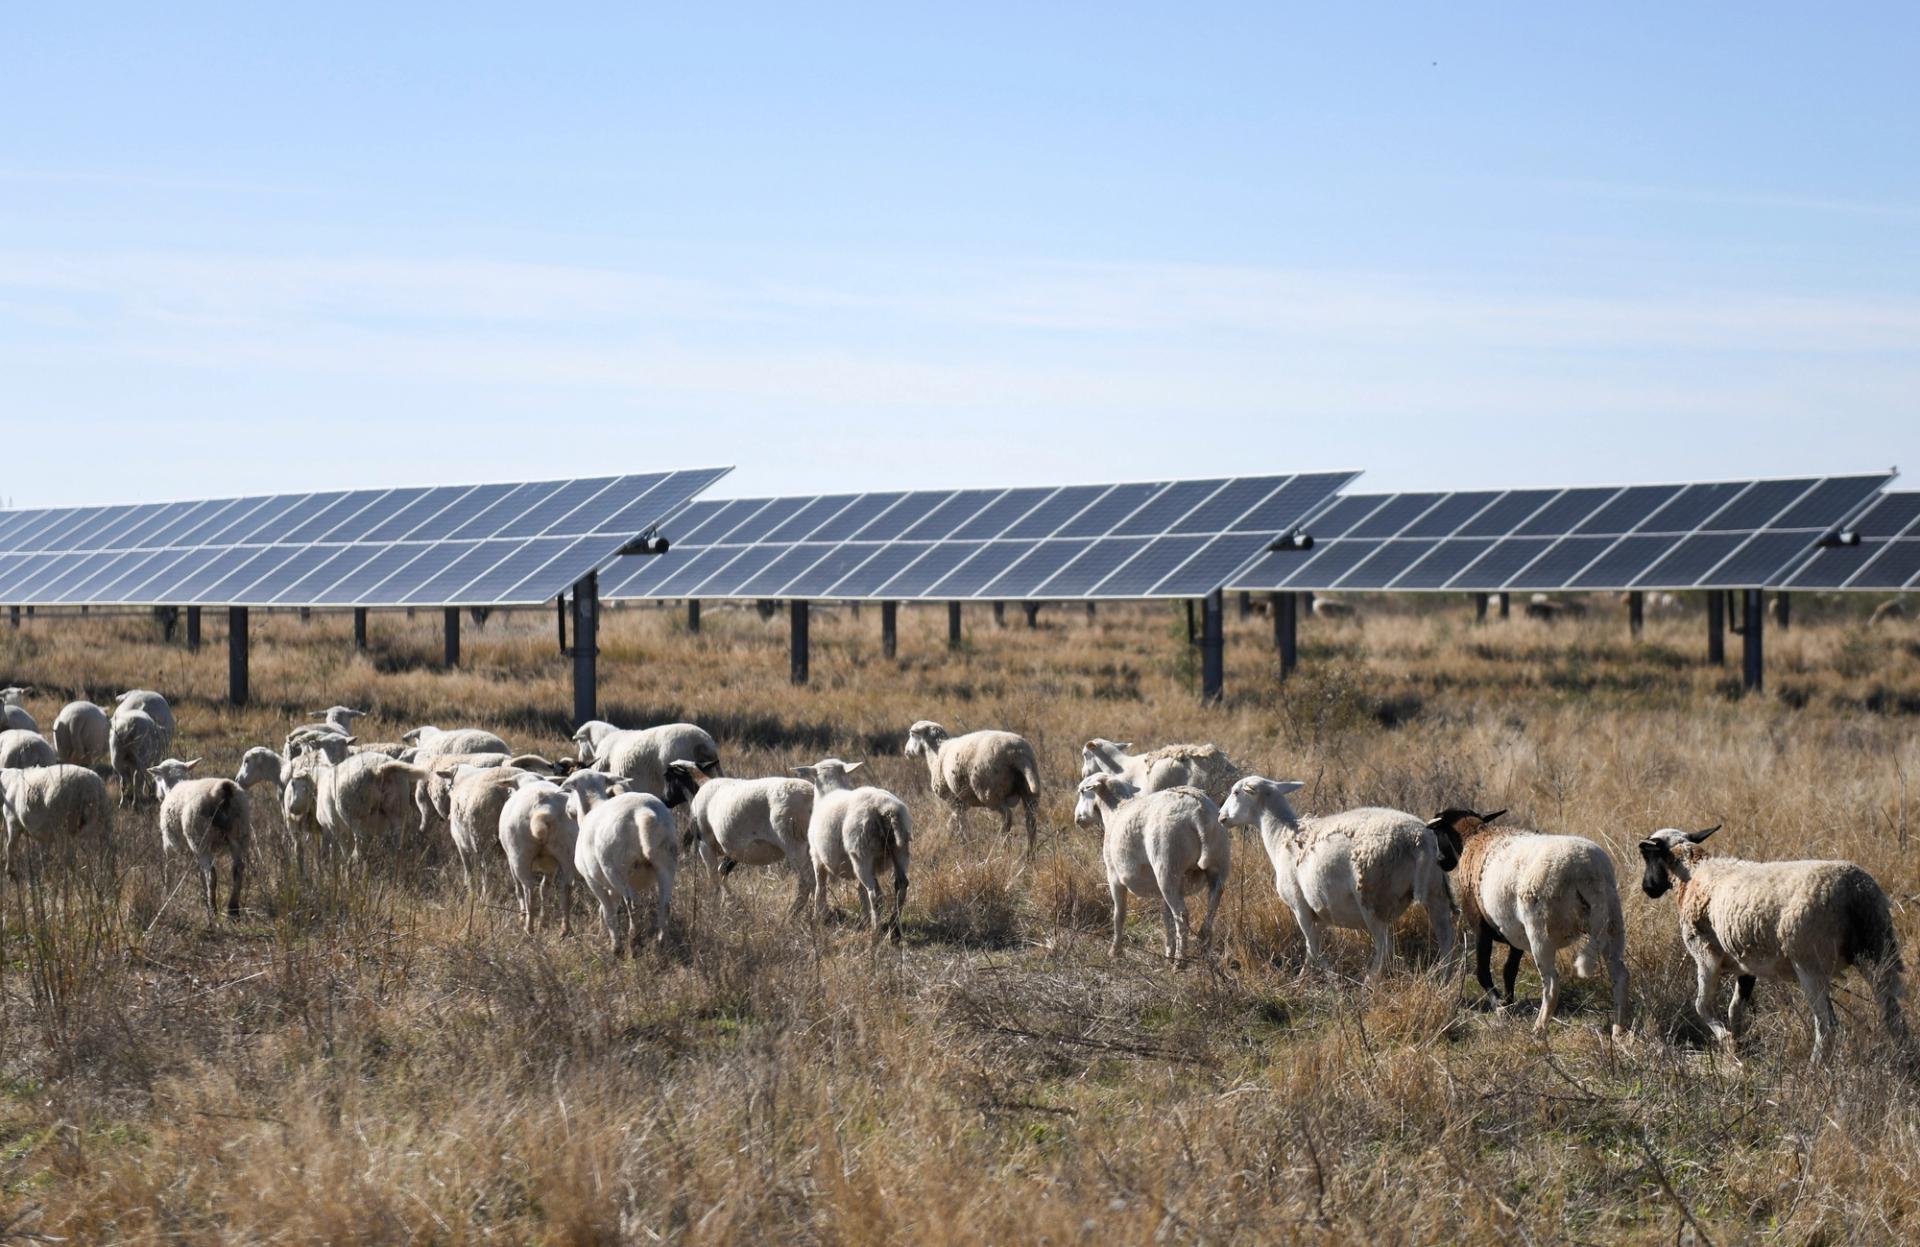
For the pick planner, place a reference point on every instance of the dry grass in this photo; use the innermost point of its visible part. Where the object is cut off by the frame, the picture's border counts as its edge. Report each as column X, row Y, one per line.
column 356, row 1061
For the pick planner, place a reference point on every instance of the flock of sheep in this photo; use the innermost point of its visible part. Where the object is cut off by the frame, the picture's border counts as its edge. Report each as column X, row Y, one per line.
column 607, row 820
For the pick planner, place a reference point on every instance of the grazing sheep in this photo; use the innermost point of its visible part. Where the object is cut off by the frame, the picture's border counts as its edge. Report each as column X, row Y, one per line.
column 80, row 733
column 745, row 822
column 434, row 796
column 13, row 711
column 475, row 800
column 153, row 704
column 135, row 742
column 641, row 757
column 1158, row 846
column 626, row 843
column 339, row 718
column 1551, row 609
column 1537, row 894
column 202, row 817
column 539, row 835
column 1333, row 608
column 1359, row 869
column 1891, row 611
column 361, row 797
column 21, row 748
column 981, row 770
column 1170, row 766
column 50, row 805
column 295, row 778
column 1805, row 920
column 433, row 742
column 852, row 833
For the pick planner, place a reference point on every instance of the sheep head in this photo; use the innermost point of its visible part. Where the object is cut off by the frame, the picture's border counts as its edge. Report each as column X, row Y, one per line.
column 586, row 789
column 1453, row 827
column 1669, row 855
column 11, row 695
column 683, row 779
column 924, row 738
column 1255, row 793
column 172, row 771
column 828, row 774
column 1100, row 754
column 1095, row 794
column 260, row 765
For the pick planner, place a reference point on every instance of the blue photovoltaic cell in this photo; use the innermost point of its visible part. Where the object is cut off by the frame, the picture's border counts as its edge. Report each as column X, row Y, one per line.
column 373, row 575
column 1217, row 560
column 1399, row 511
column 242, row 569
column 339, row 509
column 897, row 520
column 832, row 567
column 1897, row 565
column 707, row 523
column 672, row 489
column 1762, row 556
column 340, row 560
column 1564, row 513
column 1761, row 503
column 1836, row 496
column 1691, row 559
column 382, row 509
column 864, row 511
column 939, row 562
column 1631, row 508
column 994, row 519
column 1512, row 510
column 1115, row 505
column 763, row 521
column 1099, row 561
column 559, row 504
column 601, row 511
column 457, row 510
column 1891, row 516
column 1692, row 508
column 114, row 580
column 134, row 581
column 470, row 559
column 1447, row 560
column 1050, row 516
column 1023, row 578
column 1447, row 518
column 406, row 522
column 1623, row 563
column 1558, row 566
column 809, row 517
column 1339, row 519
column 59, row 533
column 951, row 514
column 1492, row 570
column 977, row 572
column 1167, row 508
column 1228, row 505
column 731, row 578
column 1332, row 562
column 865, row 580
column 1388, row 562
column 784, row 566
column 496, row 583
column 1293, row 503
column 500, row 512
column 295, row 562
column 636, row 576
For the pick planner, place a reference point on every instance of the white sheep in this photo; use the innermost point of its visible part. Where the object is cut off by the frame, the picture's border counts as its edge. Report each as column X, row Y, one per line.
column 21, row 748
column 80, row 733
column 1806, row 920
column 1359, row 869
column 155, row 706
column 539, row 834
column 203, row 817
column 1536, row 894
column 475, row 801
column 339, row 718
column 852, row 833
column 1201, row 766
column 50, row 805
column 434, row 742
column 135, row 742
column 626, row 843
column 13, row 710
column 745, row 822
column 361, row 797
column 1158, row 846
column 641, row 756
column 980, row 770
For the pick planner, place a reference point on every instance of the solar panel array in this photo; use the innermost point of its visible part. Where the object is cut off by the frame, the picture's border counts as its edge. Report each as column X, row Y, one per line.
column 462, row 545
column 1157, row 539
column 1887, row 558
column 1725, row 534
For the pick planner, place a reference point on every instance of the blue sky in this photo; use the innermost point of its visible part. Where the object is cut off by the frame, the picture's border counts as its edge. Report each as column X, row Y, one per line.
column 845, row 248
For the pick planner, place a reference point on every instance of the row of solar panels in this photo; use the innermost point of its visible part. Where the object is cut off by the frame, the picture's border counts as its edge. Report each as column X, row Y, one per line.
column 525, row 543
column 1728, row 534
column 481, row 545
column 1156, row 539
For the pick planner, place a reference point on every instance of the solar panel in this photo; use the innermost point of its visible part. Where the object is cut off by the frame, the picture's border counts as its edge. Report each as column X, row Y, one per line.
column 461, row 545
column 1710, row 534
column 1151, row 539
column 1886, row 560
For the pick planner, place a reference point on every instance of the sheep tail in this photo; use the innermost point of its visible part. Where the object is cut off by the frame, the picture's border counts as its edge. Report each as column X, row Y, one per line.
column 413, row 773
column 541, row 826
column 1030, row 773
column 230, row 808
column 1868, row 940
column 899, row 828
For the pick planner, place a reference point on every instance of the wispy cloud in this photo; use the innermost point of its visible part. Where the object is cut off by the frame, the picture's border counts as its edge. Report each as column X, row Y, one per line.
column 1725, row 197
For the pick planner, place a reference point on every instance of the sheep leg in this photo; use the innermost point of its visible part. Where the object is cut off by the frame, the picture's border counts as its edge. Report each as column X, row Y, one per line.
column 565, row 881
column 663, row 900
column 802, row 884
column 609, row 919
column 1216, row 887
column 1622, row 1006
column 1742, row 1000
column 1706, row 994
column 211, row 883
column 1310, row 931
column 233, row 893
column 1119, row 891
column 1440, row 915
column 1483, row 964
column 1033, row 827
column 1382, row 933
column 1173, row 916
column 869, row 896
column 523, row 892
column 820, row 878
column 1510, row 971
column 1817, row 987
column 1545, row 960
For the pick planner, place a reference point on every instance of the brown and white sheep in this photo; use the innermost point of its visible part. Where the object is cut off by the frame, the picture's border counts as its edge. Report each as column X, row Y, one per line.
column 986, row 770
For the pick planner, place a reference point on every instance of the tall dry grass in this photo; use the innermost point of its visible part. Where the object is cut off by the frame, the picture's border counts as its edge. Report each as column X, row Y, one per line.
column 369, row 1057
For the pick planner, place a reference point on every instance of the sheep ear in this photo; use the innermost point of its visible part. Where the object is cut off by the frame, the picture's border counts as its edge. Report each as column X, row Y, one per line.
column 851, row 767
column 1285, row 786
column 1487, row 818
column 1698, row 836
column 1652, row 848
column 804, row 772
column 192, row 764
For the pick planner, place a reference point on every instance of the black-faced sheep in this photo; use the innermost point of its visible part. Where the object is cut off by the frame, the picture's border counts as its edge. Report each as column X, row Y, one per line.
column 1360, row 869
column 1536, row 894
column 1805, row 921
column 1158, row 846
column 745, row 822
column 980, row 770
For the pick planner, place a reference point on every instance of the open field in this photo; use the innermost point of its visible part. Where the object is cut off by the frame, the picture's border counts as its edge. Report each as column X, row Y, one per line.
column 367, row 1057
